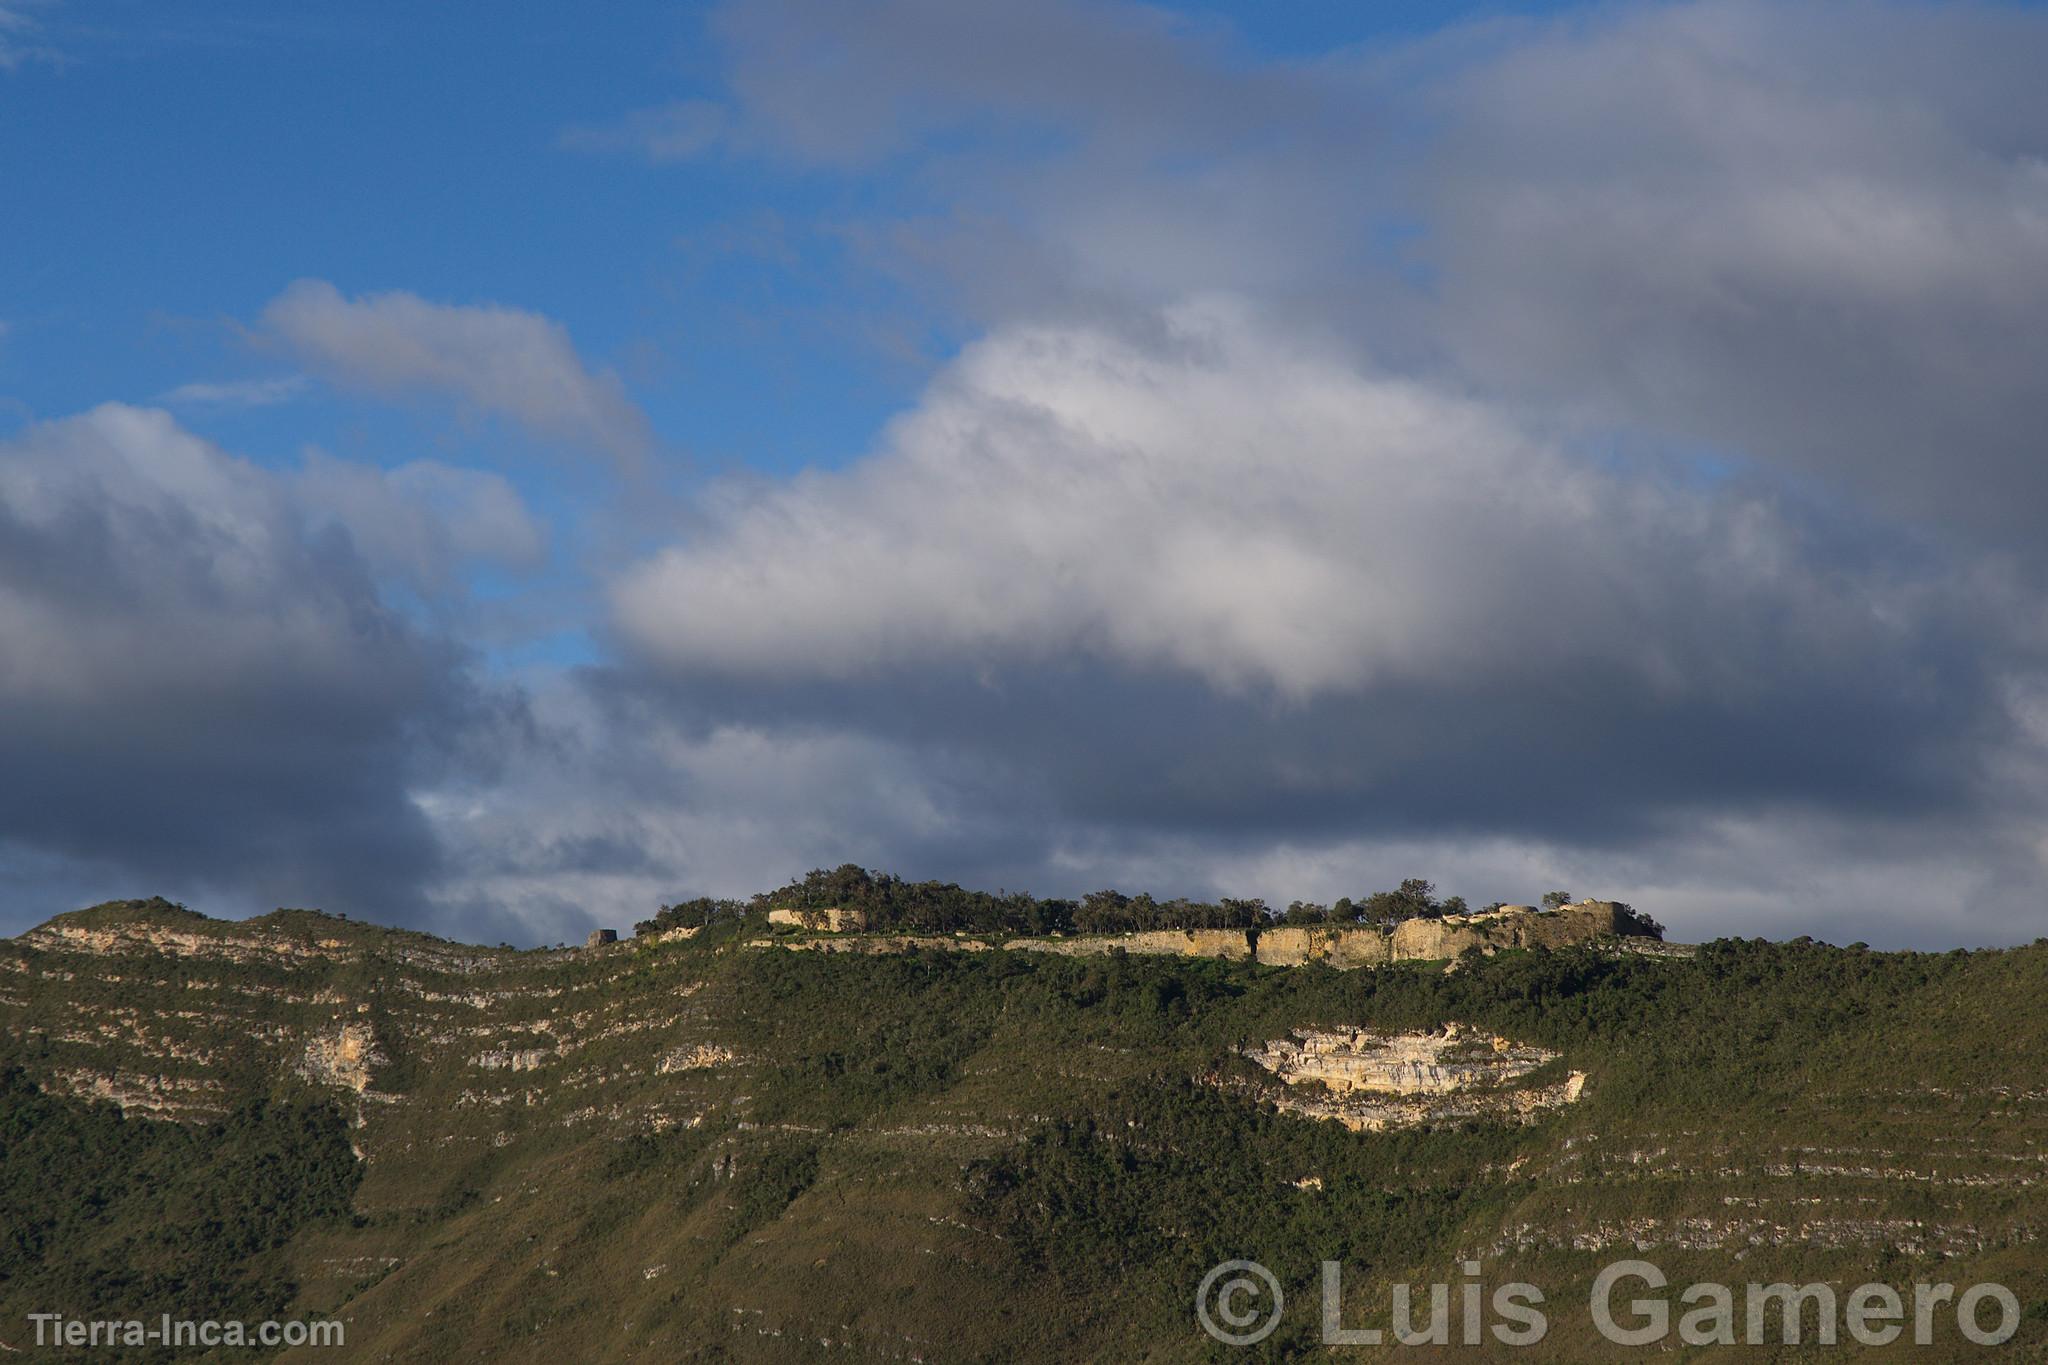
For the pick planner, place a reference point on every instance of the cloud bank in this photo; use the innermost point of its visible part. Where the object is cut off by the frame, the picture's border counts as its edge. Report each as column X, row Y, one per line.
column 1604, row 438
column 1221, row 591
column 202, row 690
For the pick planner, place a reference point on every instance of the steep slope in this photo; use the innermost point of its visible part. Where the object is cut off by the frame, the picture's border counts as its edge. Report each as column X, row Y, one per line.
column 697, row 1149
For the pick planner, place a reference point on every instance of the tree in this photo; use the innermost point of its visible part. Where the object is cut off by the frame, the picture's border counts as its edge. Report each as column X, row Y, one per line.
column 1634, row 921
column 690, row 914
column 1556, row 900
column 1247, row 913
column 1414, row 899
column 1419, row 891
column 1307, row 912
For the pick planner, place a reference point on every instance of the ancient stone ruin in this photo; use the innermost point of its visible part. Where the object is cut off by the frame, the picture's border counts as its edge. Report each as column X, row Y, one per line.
column 1341, row 946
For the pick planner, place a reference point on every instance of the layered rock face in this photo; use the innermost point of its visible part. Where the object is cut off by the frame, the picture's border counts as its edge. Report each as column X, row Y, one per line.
column 1371, row 1081
column 1341, row 947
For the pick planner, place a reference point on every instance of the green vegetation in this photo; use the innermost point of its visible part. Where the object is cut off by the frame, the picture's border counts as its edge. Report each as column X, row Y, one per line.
column 101, row 1214
column 696, row 1150
column 894, row 905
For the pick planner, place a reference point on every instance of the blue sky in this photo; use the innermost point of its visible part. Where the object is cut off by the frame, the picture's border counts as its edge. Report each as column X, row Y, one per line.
column 391, row 148
column 169, row 173
column 497, row 470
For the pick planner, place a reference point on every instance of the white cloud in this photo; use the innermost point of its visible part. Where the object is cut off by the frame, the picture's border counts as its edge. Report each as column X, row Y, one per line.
column 1238, row 506
column 492, row 359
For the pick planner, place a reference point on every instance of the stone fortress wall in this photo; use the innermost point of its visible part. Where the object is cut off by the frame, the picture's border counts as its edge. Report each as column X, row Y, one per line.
column 1342, row 946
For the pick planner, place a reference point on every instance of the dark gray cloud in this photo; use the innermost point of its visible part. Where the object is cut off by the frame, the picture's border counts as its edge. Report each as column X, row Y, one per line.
column 626, row 795
column 1814, row 237
column 199, row 692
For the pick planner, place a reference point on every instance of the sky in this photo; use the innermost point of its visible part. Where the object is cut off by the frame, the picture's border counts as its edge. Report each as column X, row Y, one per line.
column 502, row 470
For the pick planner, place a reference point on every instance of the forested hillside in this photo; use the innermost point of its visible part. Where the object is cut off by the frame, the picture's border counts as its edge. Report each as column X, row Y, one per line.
column 687, row 1148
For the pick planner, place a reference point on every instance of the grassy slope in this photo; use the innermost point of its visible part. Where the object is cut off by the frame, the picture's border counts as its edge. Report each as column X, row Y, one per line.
column 1008, row 1156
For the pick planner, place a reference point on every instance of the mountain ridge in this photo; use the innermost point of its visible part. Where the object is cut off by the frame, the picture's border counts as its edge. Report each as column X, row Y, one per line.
column 680, row 1147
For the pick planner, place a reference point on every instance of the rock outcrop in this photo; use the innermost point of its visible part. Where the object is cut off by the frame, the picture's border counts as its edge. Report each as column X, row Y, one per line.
column 342, row 1056
column 1370, row 1081
column 830, row 920
column 1511, row 926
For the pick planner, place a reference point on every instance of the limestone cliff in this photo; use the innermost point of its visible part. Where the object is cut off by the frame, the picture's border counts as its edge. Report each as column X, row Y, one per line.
column 1336, row 946
column 1370, row 1081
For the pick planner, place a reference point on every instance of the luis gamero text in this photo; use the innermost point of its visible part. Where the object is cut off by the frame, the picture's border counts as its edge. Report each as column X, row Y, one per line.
column 1632, row 1303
